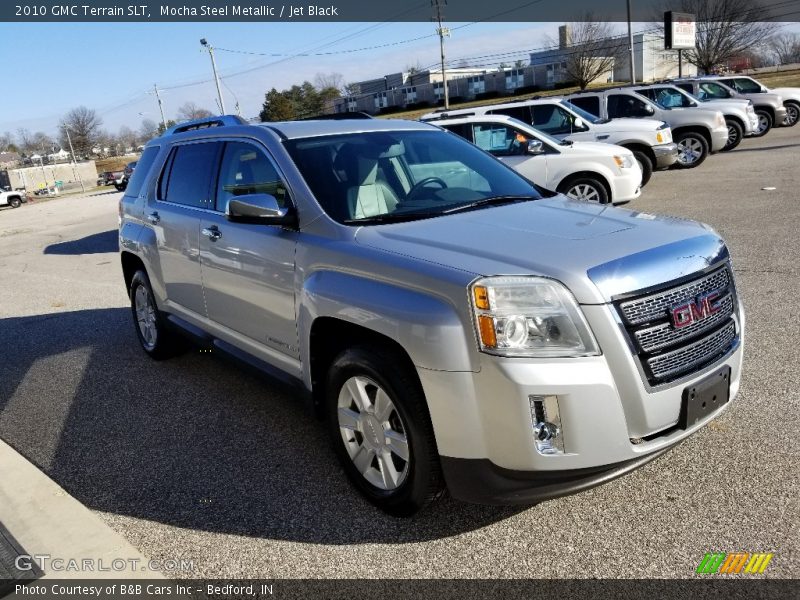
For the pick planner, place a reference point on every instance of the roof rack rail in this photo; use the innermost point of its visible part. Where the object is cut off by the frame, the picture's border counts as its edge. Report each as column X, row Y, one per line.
column 338, row 116
column 445, row 115
column 204, row 123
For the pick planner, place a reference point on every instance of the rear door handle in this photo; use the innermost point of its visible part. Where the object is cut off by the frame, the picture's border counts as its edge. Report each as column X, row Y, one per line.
column 154, row 218
column 213, row 233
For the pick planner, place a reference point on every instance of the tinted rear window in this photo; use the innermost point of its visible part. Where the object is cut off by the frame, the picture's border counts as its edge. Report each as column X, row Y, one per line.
column 590, row 104
column 143, row 168
column 190, row 169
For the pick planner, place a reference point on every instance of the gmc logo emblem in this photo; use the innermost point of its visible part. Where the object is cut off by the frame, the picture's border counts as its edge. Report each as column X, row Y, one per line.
column 695, row 310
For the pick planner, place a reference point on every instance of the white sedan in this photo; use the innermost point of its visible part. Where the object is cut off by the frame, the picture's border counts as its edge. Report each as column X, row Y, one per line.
column 589, row 171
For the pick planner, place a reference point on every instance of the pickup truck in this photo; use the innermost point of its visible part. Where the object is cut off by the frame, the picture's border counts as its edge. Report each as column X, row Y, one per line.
column 649, row 140
column 456, row 326
column 697, row 132
column 12, row 198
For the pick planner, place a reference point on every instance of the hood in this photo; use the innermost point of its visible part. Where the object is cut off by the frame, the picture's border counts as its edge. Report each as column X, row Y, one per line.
column 627, row 124
column 597, row 148
column 788, row 93
column 598, row 252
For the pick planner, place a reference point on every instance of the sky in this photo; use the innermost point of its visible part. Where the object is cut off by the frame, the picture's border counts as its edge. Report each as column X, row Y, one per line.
column 110, row 67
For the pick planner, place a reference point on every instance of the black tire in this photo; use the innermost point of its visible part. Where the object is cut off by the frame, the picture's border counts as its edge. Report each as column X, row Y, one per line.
column 646, row 165
column 765, row 123
column 165, row 343
column 120, row 187
column 792, row 114
column 691, row 140
column 735, row 135
column 14, row 202
column 423, row 482
column 598, row 193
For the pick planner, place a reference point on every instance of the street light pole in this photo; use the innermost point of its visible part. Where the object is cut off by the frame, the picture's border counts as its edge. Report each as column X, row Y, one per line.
column 160, row 107
column 72, row 155
column 630, row 41
column 205, row 44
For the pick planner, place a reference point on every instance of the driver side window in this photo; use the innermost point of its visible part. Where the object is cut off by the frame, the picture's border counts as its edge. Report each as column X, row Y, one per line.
column 246, row 170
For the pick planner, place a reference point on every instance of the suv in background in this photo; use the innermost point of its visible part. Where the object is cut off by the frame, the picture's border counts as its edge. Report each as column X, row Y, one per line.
column 697, row 132
column 768, row 107
column 588, row 171
column 649, row 140
column 456, row 325
column 739, row 114
column 751, row 87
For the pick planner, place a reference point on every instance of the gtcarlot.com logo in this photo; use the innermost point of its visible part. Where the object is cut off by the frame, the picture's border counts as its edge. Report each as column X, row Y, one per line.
column 46, row 562
column 734, row 562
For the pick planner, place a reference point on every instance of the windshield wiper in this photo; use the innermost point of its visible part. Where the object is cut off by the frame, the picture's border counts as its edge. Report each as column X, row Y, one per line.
column 391, row 218
column 494, row 200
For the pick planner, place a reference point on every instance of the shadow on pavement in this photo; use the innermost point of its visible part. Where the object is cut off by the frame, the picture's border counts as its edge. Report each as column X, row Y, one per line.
column 191, row 442
column 97, row 243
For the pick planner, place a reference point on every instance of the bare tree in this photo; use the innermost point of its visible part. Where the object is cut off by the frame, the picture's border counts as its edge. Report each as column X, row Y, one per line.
column 84, row 127
column 785, row 47
column 148, row 129
column 25, row 141
column 351, row 89
column 725, row 29
column 128, row 137
column 6, row 142
column 593, row 49
column 43, row 142
column 189, row 111
column 324, row 81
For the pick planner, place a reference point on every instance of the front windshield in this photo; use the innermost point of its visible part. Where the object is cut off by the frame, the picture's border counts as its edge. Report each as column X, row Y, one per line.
column 388, row 176
column 586, row 116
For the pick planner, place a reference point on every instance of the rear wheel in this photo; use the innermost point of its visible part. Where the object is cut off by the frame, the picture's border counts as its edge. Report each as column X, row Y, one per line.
column 645, row 164
column 764, row 122
column 735, row 134
column 381, row 430
column 692, row 149
column 151, row 328
column 792, row 114
column 14, row 202
column 584, row 188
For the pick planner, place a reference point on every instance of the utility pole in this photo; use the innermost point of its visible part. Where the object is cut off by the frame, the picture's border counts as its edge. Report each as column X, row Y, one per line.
column 160, row 107
column 74, row 163
column 205, row 44
column 442, row 32
column 630, row 41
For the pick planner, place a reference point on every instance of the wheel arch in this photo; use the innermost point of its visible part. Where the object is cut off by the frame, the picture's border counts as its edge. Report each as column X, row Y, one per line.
column 130, row 264
column 586, row 173
column 703, row 131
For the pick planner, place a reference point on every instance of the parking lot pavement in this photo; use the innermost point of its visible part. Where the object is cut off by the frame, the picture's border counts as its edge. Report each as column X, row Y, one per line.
column 191, row 458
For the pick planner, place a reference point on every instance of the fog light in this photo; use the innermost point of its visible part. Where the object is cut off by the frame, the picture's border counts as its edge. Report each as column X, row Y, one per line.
column 546, row 421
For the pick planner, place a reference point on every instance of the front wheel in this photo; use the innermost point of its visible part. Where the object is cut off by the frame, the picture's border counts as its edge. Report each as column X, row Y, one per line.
column 692, row 149
column 381, row 430
column 645, row 164
column 764, row 123
column 792, row 114
column 15, row 202
column 585, row 189
column 735, row 134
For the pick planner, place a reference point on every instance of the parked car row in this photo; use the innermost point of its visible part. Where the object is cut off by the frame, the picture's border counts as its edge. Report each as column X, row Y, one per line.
column 552, row 141
column 119, row 179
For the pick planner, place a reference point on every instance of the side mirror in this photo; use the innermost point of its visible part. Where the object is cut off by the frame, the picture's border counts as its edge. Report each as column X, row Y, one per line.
column 578, row 123
column 258, row 209
column 649, row 110
column 534, row 147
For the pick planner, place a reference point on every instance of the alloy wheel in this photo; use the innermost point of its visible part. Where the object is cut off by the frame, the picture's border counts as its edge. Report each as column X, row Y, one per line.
column 763, row 123
column 373, row 433
column 792, row 114
column 585, row 192
column 689, row 151
column 146, row 317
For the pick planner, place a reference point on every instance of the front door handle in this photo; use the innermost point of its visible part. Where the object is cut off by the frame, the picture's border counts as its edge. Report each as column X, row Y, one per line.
column 213, row 233
column 154, row 218
column 605, row 136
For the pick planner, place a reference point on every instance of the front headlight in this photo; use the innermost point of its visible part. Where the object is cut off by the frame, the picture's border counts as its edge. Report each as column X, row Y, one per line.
column 625, row 161
column 720, row 119
column 530, row 317
column 664, row 134
column 750, row 108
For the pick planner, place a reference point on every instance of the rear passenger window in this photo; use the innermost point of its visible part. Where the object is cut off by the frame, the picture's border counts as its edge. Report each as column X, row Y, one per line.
column 247, row 170
column 141, row 171
column 590, row 104
column 187, row 176
column 623, row 105
column 517, row 112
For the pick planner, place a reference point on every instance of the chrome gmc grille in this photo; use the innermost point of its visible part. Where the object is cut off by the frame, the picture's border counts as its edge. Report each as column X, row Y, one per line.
column 667, row 351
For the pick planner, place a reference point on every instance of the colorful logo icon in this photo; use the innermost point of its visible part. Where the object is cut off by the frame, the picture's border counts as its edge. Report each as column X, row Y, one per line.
column 734, row 562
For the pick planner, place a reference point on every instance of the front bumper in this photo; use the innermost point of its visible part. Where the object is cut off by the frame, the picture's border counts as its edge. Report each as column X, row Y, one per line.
column 612, row 421
column 627, row 186
column 719, row 138
column 482, row 482
column 666, row 155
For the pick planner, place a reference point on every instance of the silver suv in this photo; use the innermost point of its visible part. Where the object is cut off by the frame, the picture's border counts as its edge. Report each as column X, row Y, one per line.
column 455, row 325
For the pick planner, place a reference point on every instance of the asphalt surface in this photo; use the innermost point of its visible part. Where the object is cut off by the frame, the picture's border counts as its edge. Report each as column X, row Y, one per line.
column 192, row 458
